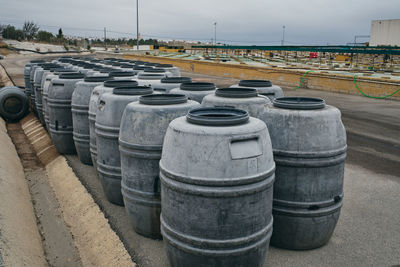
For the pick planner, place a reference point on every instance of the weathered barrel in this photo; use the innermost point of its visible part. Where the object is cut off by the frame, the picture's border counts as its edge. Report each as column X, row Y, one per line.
column 196, row 90
column 27, row 75
column 241, row 98
column 107, row 86
column 108, row 119
column 309, row 142
column 59, row 108
column 14, row 103
column 143, row 127
column 32, row 78
column 80, row 115
column 165, row 85
column 40, row 72
column 175, row 72
column 149, row 78
column 217, row 174
column 45, row 92
column 264, row 87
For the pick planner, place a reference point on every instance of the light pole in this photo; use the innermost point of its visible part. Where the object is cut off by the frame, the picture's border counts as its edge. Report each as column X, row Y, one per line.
column 215, row 36
column 137, row 25
column 283, row 35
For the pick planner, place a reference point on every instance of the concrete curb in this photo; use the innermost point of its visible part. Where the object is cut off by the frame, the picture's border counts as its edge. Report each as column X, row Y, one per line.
column 97, row 243
column 20, row 241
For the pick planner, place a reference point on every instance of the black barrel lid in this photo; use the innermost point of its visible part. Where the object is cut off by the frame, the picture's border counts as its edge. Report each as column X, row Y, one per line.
column 132, row 90
column 51, row 66
column 71, row 75
column 110, row 58
column 163, row 99
column 62, row 70
column 127, row 66
column 150, row 64
column 176, row 80
column 95, row 60
column 106, row 70
column 197, row 86
column 255, row 83
column 164, row 65
column 117, row 64
column 154, row 70
column 119, row 83
column 118, row 73
column 136, row 67
column 298, row 102
column 36, row 61
column 96, row 79
column 217, row 116
column 238, row 92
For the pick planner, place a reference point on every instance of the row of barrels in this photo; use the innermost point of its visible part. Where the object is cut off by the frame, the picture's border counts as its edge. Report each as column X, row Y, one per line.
column 217, row 173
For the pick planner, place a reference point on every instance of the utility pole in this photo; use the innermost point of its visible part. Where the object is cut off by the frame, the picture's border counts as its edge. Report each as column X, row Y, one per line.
column 215, row 37
column 283, row 35
column 105, row 39
column 137, row 25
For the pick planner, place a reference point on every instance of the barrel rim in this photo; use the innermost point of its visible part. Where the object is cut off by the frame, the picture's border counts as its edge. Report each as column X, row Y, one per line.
column 217, row 116
column 163, row 99
column 197, row 86
column 237, row 92
column 132, row 90
column 255, row 83
column 121, row 73
column 176, row 80
column 299, row 102
column 71, row 75
column 117, row 83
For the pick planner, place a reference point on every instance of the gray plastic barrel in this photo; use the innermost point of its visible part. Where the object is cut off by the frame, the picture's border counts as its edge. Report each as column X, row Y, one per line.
column 39, row 74
column 27, row 75
column 241, row 98
column 107, row 86
column 143, row 127
column 80, row 115
column 14, row 103
column 195, row 91
column 31, row 78
column 309, row 142
column 59, row 108
column 27, row 71
column 175, row 72
column 264, row 87
column 149, row 78
column 108, row 119
column 45, row 92
column 165, row 85
column 217, row 174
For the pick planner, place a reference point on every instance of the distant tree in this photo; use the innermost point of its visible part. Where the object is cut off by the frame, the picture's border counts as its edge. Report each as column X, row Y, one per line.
column 60, row 34
column 30, row 30
column 10, row 32
column 44, row 36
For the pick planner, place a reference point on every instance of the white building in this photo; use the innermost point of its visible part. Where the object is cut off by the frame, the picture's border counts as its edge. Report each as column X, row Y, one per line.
column 385, row 32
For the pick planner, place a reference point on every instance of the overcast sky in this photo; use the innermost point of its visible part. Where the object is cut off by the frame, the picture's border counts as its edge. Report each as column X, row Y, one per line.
column 256, row 22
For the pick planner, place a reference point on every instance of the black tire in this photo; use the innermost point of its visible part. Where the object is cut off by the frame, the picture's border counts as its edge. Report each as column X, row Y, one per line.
column 14, row 103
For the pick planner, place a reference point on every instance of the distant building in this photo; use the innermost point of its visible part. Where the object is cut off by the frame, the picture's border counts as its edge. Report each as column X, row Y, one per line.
column 385, row 32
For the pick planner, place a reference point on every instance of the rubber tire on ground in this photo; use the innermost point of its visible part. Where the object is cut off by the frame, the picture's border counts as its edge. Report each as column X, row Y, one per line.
column 13, row 92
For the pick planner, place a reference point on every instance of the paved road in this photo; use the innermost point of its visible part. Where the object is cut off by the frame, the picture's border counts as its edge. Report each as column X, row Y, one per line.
column 368, row 232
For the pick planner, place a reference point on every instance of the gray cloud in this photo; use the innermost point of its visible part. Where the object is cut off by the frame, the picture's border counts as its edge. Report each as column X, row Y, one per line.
column 254, row 21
